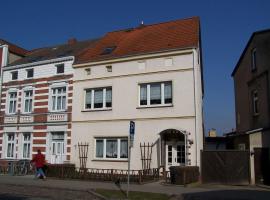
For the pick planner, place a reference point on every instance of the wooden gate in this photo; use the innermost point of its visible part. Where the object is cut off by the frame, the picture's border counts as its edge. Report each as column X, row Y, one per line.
column 225, row 167
column 262, row 166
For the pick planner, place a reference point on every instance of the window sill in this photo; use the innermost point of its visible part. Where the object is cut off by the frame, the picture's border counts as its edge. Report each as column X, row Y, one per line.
column 110, row 160
column 57, row 111
column 97, row 109
column 11, row 114
column 155, row 106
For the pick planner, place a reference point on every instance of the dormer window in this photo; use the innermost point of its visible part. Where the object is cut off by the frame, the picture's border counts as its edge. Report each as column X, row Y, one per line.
column 30, row 73
column 253, row 59
column 108, row 50
column 14, row 75
column 60, row 69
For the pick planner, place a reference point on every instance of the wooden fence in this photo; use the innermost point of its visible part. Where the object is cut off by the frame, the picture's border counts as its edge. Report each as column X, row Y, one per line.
column 71, row 172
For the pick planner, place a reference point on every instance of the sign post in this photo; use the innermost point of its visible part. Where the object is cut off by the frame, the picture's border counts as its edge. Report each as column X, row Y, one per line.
column 130, row 144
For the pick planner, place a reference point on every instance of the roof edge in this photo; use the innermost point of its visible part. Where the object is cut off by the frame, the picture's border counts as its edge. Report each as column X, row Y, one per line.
column 246, row 47
column 43, row 62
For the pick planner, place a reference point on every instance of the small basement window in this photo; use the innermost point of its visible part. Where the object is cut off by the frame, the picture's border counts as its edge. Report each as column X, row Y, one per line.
column 108, row 50
column 60, row 69
column 14, row 75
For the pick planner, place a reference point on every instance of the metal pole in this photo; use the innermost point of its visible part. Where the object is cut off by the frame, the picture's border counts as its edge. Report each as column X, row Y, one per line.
column 129, row 153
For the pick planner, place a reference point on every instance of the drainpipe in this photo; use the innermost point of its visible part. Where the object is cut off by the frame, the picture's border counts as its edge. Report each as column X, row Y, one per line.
column 195, row 101
column 3, row 64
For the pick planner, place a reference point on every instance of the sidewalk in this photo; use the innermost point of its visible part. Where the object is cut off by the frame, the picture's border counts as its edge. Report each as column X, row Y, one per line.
column 79, row 185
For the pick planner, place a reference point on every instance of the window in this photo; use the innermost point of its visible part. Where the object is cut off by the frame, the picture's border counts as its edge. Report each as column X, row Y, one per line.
column 109, row 68
column 59, row 99
column 111, row 148
column 14, row 75
column 28, row 101
column 60, row 69
column 255, row 102
column 108, row 50
column 242, row 146
column 26, row 145
column 253, row 59
column 30, row 73
column 12, row 102
column 98, row 98
column 155, row 94
column 10, row 145
column 88, row 71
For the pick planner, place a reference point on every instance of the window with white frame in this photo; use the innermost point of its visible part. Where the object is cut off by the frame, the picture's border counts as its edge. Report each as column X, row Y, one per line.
column 26, row 145
column 255, row 100
column 10, row 148
column 156, row 93
column 28, row 101
column 111, row 148
column 98, row 98
column 12, row 102
column 59, row 98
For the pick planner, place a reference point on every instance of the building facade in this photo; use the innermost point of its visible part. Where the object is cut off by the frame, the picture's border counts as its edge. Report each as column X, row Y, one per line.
column 36, row 106
column 151, row 75
column 252, row 97
column 251, row 83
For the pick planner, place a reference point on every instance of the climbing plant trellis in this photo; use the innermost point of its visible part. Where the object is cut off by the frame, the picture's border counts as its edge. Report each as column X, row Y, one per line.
column 146, row 155
column 83, row 154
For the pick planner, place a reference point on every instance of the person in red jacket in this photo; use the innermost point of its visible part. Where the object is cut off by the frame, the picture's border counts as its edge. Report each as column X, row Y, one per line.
column 39, row 161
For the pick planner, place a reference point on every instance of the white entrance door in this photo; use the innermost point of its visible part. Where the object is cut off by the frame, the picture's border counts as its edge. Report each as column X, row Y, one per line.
column 175, row 154
column 57, row 148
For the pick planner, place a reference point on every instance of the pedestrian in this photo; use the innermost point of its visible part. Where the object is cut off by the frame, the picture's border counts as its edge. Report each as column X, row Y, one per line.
column 39, row 161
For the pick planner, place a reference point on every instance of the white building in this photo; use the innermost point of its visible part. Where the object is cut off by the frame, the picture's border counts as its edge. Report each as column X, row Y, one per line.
column 151, row 75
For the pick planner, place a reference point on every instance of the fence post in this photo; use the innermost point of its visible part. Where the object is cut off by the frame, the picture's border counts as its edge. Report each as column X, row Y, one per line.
column 140, row 176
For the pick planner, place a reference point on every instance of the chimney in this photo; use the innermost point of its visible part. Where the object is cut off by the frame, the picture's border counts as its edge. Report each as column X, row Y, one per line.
column 72, row 41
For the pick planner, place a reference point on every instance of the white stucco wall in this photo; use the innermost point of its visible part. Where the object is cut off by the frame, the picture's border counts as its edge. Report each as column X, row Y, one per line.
column 185, row 113
column 40, row 71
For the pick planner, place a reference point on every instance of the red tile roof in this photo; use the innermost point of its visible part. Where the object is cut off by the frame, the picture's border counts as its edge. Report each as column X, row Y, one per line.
column 145, row 39
column 14, row 48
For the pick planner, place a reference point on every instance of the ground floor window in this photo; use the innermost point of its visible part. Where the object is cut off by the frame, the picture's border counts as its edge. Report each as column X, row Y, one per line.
column 26, row 145
column 111, row 148
column 10, row 153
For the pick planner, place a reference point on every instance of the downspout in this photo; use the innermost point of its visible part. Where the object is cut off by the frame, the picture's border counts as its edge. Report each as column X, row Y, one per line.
column 3, row 64
column 195, row 106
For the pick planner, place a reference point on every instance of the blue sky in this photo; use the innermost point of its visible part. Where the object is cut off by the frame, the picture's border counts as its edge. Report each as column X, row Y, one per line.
column 226, row 28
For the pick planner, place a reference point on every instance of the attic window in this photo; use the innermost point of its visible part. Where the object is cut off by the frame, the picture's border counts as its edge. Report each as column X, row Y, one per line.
column 108, row 50
column 88, row 71
column 109, row 68
column 60, row 69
